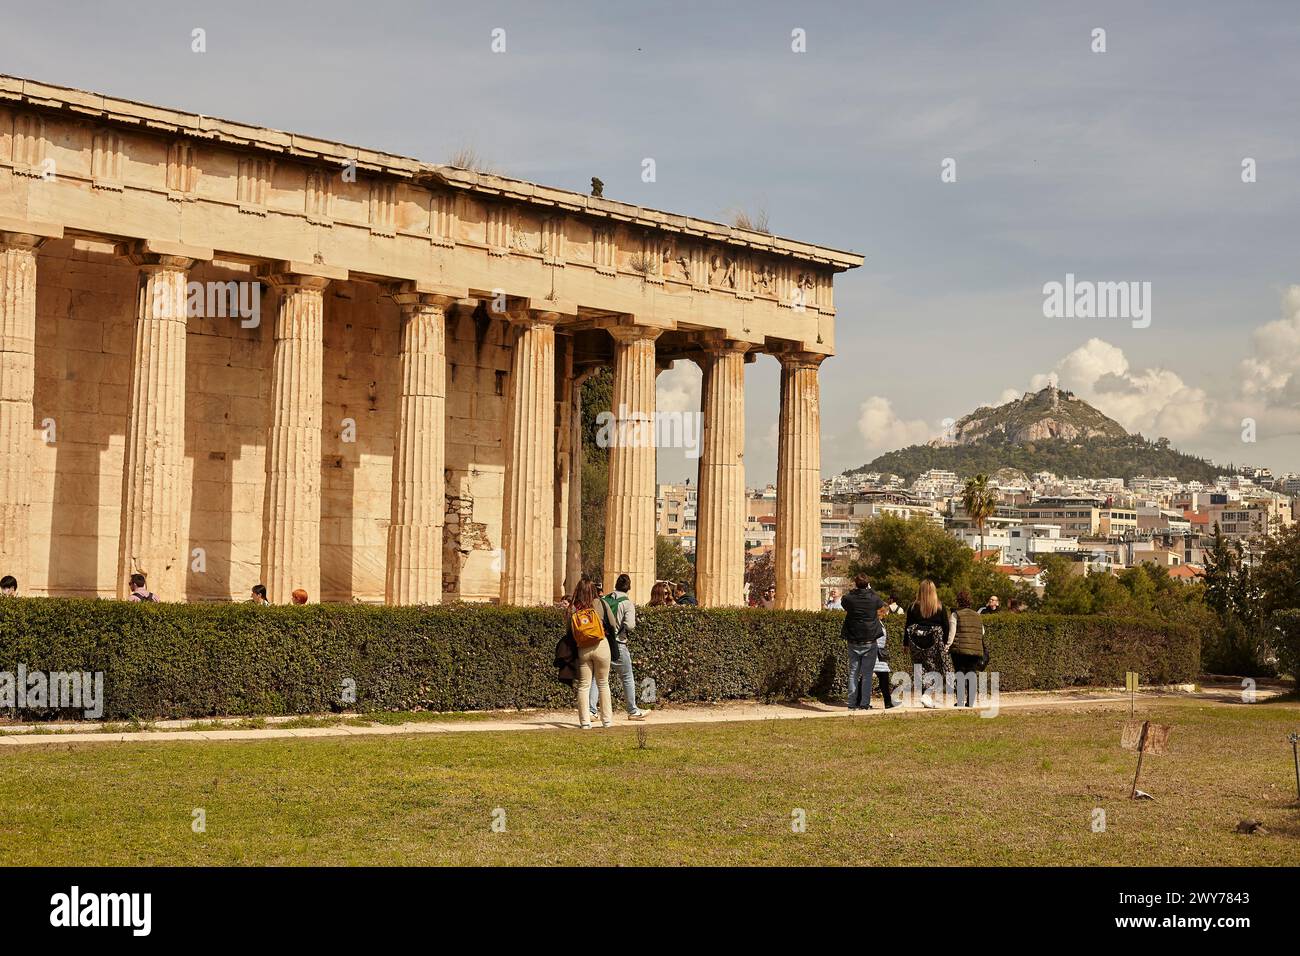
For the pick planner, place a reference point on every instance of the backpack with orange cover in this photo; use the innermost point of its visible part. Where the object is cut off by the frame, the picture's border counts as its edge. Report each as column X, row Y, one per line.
column 588, row 631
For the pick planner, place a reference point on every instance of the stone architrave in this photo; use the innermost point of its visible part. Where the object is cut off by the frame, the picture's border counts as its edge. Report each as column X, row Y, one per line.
column 720, row 530
column 798, row 554
column 630, row 518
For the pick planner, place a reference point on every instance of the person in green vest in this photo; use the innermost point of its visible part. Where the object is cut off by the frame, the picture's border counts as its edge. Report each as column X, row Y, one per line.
column 968, row 650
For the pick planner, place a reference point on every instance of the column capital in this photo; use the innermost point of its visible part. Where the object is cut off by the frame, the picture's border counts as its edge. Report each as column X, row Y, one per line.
column 791, row 359
column 527, row 317
column 308, row 276
column 412, row 295
column 413, row 302
column 712, row 347
column 634, row 333
column 163, row 254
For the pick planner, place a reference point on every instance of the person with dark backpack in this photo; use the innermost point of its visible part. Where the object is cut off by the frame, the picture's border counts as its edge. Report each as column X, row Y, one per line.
column 619, row 616
column 139, row 591
column 927, row 634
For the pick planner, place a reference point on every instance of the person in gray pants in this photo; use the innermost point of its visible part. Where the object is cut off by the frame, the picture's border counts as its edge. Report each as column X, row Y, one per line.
column 619, row 615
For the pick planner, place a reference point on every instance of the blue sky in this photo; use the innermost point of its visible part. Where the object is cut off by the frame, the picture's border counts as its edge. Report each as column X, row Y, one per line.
column 1115, row 166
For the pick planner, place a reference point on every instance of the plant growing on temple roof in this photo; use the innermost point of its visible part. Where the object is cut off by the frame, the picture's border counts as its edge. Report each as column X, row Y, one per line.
column 469, row 157
column 758, row 222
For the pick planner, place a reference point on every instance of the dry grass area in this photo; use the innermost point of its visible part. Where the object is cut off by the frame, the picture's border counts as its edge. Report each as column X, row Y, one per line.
column 946, row 789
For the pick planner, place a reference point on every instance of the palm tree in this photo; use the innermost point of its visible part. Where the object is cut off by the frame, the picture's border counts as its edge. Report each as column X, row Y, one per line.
column 980, row 502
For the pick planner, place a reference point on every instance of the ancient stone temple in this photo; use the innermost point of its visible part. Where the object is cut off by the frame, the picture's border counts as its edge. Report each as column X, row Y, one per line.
column 232, row 355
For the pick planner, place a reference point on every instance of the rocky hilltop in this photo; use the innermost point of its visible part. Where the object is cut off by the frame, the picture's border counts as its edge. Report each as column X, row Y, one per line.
column 1049, row 430
column 1036, row 416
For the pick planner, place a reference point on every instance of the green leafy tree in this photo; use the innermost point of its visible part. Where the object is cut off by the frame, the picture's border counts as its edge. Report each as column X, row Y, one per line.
column 760, row 574
column 1065, row 590
column 1239, row 643
column 897, row 553
column 597, row 397
column 1277, row 576
column 671, row 562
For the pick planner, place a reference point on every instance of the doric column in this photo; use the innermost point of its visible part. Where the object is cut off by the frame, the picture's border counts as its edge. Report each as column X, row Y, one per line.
column 419, row 498
column 630, row 506
column 527, row 576
column 17, row 380
column 798, row 554
column 291, row 506
column 153, row 468
column 573, row 561
column 720, row 528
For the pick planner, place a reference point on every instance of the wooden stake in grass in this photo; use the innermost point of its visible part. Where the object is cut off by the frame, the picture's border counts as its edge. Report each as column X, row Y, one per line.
column 1131, row 684
column 1295, row 755
column 1145, row 738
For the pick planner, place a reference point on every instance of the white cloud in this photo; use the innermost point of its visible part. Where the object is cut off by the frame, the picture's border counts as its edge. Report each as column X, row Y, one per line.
column 678, row 389
column 882, row 430
column 1272, row 374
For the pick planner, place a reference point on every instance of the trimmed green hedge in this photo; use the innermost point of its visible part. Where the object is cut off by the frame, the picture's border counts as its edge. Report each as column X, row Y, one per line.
column 200, row 660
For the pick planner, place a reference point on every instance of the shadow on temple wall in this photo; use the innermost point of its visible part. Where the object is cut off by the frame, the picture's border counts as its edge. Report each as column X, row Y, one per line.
column 361, row 384
column 85, row 308
column 227, row 396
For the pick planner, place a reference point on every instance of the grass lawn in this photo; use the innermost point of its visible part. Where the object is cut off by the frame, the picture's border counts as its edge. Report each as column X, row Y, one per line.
column 900, row 789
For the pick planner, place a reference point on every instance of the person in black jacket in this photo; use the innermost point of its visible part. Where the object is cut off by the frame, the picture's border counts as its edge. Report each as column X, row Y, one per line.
column 862, row 629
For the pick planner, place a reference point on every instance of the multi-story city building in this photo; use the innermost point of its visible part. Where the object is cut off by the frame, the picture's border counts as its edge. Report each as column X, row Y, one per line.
column 872, row 504
column 675, row 513
column 936, row 483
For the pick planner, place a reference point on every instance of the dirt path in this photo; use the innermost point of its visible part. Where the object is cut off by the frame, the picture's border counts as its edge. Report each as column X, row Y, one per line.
column 164, row 731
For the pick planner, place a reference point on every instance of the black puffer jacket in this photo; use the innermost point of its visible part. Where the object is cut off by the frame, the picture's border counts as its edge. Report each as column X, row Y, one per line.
column 861, row 616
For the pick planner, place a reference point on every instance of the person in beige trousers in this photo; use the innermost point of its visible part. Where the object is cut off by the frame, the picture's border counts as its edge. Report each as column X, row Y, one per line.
column 592, row 662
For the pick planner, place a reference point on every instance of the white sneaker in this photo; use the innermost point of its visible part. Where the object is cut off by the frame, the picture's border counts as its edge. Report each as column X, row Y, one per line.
column 585, row 726
column 607, row 723
column 639, row 715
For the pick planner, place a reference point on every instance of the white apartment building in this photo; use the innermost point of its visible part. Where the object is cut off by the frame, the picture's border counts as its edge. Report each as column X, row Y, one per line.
column 675, row 513
column 1018, row 543
column 937, row 483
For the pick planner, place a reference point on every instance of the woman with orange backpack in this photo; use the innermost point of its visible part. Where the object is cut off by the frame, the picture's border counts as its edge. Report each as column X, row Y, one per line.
column 588, row 633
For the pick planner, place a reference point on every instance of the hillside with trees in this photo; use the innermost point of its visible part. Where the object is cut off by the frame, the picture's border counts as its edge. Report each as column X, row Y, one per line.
column 1050, row 430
